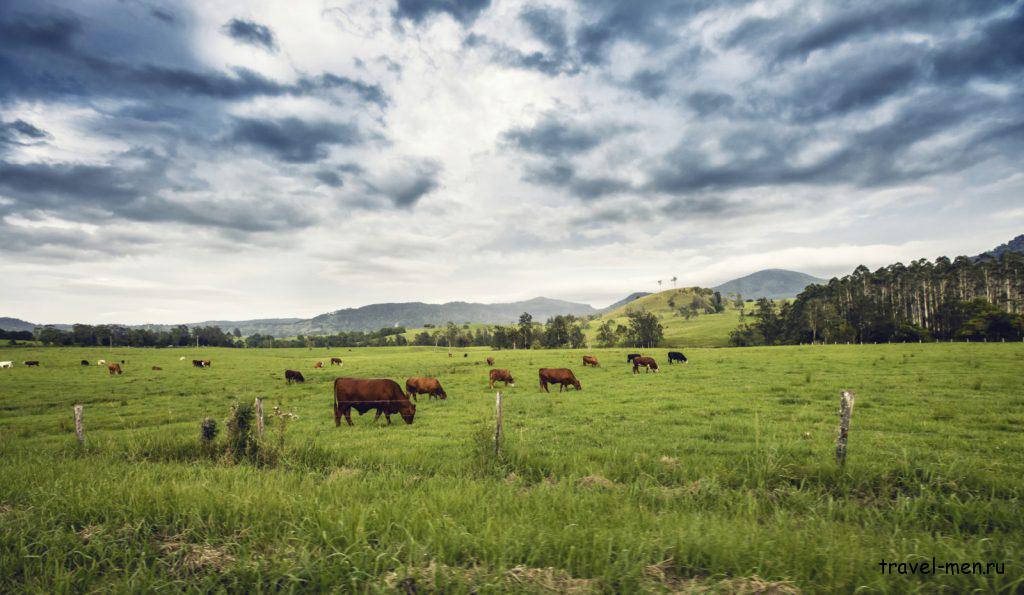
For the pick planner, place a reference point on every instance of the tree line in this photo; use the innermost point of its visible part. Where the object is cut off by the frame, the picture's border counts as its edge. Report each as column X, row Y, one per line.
column 976, row 299
column 643, row 330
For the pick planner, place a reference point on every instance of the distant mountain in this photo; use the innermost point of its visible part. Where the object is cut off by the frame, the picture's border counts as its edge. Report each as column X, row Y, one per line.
column 1014, row 245
column 629, row 298
column 15, row 324
column 407, row 314
column 770, row 283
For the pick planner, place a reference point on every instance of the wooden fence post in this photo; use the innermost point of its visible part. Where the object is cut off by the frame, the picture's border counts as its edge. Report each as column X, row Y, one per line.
column 79, row 425
column 846, row 399
column 258, row 405
column 498, row 428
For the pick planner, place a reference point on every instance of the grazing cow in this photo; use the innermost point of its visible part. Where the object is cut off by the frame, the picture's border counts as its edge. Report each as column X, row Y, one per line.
column 101, row 362
column 291, row 376
column 425, row 386
column 589, row 360
column 676, row 356
column 563, row 377
column 7, row 364
column 384, row 395
column 490, row 361
column 32, row 362
column 197, row 363
column 157, row 368
column 646, row 362
column 336, row 361
column 631, row 357
column 500, row 376
column 114, row 368
column 206, row 363
column 85, row 362
column 318, row 365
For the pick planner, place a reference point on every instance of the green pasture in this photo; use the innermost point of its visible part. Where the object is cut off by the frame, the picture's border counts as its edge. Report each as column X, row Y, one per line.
column 718, row 475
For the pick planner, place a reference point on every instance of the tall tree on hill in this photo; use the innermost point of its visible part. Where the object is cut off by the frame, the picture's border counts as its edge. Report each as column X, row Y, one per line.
column 645, row 330
column 525, row 330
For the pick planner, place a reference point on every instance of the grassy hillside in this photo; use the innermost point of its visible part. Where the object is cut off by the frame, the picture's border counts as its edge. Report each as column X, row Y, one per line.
column 718, row 475
column 702, row 330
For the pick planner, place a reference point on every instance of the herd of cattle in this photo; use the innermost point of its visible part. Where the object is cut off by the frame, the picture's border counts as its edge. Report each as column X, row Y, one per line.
column 387, row 397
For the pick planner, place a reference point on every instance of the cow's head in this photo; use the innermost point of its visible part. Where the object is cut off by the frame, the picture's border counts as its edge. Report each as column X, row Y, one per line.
column 577, row 384
column 408, row 411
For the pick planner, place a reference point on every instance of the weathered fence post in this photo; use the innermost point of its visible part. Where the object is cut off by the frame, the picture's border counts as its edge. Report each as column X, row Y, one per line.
column 258, row 405
column 497, row 429
column 79, row 425
column 846, row 399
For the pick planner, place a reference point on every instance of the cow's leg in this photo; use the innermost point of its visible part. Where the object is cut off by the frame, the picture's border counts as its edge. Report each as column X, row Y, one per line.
column 376, row 417
column 348, row 415
column 560, row 387
column 387, row 416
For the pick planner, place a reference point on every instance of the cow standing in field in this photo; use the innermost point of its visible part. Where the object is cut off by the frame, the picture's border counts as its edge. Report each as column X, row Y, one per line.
column 7, row 364
column 490, row 361
column 197, row 363
column 85, row 362
column 631, row 357
column 589, row 360
column 291, row 376
column 32, row 363
column 114, row 368
column 425, row 386
column 497, row 375
column 676, row 356
column 318, row 365
column 384, row 395
column 336, row 361
column 101, row 362
column 563, row 377
column 647, row 362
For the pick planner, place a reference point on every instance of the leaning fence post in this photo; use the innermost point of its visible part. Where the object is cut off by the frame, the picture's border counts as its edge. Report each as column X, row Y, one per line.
column 79, row 425
column 846, row 399
column 497, row 429
column 258, row 405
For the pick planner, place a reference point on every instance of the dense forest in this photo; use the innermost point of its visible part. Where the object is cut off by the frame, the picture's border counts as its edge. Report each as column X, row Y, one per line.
column 558, row 331
column 978, row 298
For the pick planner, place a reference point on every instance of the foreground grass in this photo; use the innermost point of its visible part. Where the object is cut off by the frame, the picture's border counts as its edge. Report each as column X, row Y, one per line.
column 718, row 474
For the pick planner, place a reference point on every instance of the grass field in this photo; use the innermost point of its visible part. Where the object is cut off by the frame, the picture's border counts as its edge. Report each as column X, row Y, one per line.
column 717, row 475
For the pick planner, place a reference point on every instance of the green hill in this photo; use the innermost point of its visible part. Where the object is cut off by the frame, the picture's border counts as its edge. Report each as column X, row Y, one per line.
column 700, row 329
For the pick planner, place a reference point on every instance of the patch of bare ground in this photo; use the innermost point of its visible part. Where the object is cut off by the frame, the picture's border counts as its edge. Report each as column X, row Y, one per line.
column 596, row 481
column 194, row 558
column 661, row 579
column 428, row 579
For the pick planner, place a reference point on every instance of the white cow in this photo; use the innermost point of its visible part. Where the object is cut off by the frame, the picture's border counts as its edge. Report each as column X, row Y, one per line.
column 102, row 362
column 181, row 359
column 6, row 364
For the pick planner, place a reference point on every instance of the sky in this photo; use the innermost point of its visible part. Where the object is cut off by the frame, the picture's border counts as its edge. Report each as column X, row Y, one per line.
column 172, row 162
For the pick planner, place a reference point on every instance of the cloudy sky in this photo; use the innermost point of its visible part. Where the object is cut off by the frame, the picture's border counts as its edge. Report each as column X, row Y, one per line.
column 167, row 162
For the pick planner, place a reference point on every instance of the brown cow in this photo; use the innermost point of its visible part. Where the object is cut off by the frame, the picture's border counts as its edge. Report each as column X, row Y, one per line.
column 497, row 375
column 425, row 386
column 490, row 361
column 293, row 376
column 318, row 365
column 589, row 360
column 647, row 362
column 206, row 363
column 563, row 377
column 114, row 368
column 157, row 368
column 336, row 361
column 384, row 395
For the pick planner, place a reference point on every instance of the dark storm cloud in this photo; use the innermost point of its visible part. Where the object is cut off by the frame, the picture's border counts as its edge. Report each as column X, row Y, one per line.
column 251, row 33
column 293, row 140
column 20, row 132
column 97, row 193
column 404, row 186
column 564, row 176
column 464, row 11
column 554, row 137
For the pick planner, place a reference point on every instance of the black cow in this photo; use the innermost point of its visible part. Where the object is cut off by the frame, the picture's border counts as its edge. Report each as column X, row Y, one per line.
column 676, row 356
